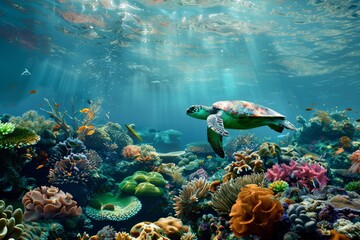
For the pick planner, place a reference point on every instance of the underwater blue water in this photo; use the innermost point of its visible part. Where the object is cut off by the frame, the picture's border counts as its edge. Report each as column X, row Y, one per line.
column 149, row 60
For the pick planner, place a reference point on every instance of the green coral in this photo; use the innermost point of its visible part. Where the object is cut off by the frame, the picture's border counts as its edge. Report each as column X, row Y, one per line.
column 6, row 128
column 20, row 137
column 11, row 222
column 353, row 186
column 278, row 186
column 113, row 207
column 144, row 184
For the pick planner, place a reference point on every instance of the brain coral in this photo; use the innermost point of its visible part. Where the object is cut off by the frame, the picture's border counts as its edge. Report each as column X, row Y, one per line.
column 49, row 202
column 255, row 212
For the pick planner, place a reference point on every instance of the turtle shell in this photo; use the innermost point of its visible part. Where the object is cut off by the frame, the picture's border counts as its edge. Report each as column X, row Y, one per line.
column 245, row 109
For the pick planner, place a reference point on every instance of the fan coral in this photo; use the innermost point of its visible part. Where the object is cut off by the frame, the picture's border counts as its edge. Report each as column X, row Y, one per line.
column 11, row 222
column 303, row 174
column 49, row 202
column 245, row 161
column 189, row 203
column 278, row 186
column 20, row 137
column 256, row 211
column 225, row 197
column 355, row 159
column 6, row 128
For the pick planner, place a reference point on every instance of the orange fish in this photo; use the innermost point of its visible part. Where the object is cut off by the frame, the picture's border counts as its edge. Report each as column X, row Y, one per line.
column 348, row 109
column 81, row 128
column 40, row 166
column 90, row 114
column 308, row 109
column 91, row 132
column 85, row 110
column 33, row 91
column 340, row 150
column 56, row 105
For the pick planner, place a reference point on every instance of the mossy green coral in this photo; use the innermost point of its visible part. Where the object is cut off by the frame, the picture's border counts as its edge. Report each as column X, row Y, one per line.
column 143, row 184
column 20, row 137
column 6, row 128
column 353, row 186
column 278, row 186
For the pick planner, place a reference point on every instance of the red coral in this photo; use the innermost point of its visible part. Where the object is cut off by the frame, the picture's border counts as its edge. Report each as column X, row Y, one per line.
column 131, row 151
column 295, row 173
column 49, row 202
column 355, row 159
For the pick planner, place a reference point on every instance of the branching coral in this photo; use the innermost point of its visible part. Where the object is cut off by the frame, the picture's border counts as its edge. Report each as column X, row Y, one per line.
column 189, row 203
column 308, row 175
column 49, row 202
column 355, row 159
column 225, row 197
column 256, row 212
column 245, row 161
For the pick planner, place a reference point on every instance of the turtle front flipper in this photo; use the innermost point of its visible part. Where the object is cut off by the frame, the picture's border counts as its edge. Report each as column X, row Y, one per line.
column 216, row 142
column 216, row 123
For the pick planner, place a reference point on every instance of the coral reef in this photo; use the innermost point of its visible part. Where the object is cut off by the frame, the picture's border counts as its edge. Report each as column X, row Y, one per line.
column 49, row 202
column 225, row 197
column 255, row 212
column 11, row 222
column 173, row 227
column 270, row 153
column 355, row 159
column 18, row 138
column 33, row 121
column 6, row 128
column 300, row 222
column 202, row 149
column 190, row 203
column 113, row 207
column 278, row 186
column 147, row 230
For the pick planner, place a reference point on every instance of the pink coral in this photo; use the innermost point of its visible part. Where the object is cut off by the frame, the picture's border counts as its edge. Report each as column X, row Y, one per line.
column 355, row 159
column 131, row 151
column 49, row 202
column 303, row 174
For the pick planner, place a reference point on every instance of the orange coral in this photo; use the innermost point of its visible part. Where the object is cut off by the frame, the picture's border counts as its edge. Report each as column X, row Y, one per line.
column 173, row 227
column 345, row 142
column 131, row 151
column 255, row 212
column 335, row 235
column 355, row 159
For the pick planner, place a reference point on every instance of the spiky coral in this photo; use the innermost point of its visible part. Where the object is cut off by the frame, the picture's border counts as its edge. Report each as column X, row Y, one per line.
column 20, row 137
column 189, row 203
column 225, row 197
column 256, row 212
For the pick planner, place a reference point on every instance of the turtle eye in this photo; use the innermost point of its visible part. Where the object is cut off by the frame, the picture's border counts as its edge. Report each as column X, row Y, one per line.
column 191, row 109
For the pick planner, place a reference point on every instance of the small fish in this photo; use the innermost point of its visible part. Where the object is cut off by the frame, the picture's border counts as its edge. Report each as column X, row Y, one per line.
column 91, row 132
column 329, row 147
column 85, row 110
column 56, row 105
column 33, row 91
column 107, row 115
column 340, row 150
column 40, row 166
column 26, row 72
column 309, row 109
column 90, row 114
column 89, row 101
column 348, row 109
column 357, row 120
column 315, row 182
column 133, row 132
column 209, row 157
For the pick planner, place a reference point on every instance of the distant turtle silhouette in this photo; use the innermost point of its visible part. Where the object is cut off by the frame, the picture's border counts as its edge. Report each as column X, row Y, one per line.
column 236, row 115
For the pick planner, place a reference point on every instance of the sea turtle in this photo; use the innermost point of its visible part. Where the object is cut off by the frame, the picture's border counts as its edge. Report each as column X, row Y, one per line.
column 236, row 115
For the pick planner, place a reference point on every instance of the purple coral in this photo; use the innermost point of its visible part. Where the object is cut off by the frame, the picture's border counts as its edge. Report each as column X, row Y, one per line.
column 305, row 174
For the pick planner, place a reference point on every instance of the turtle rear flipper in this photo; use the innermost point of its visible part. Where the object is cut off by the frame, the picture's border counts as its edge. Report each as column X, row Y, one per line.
column 216, row 142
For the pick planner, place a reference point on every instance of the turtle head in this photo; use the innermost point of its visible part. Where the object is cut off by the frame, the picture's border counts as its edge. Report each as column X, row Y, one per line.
column 198, row 111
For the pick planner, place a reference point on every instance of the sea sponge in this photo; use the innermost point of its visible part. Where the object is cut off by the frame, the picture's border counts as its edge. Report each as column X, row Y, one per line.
column 20, row 137
column 113, row 207
column 355, row 159
column 49, row 202
column 11, row 222
column 173, row 227
column 256, row 211
column 147, row 230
